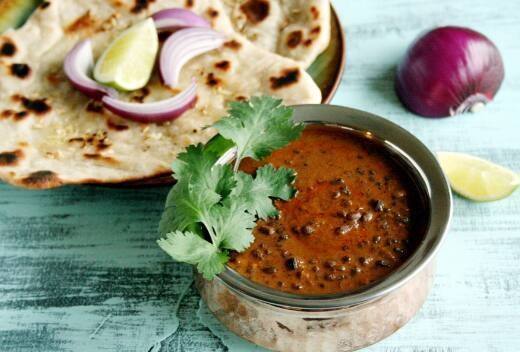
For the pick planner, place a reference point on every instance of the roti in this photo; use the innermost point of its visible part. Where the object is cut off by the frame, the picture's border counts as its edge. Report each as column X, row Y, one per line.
column 53, row 135
column 298, row 29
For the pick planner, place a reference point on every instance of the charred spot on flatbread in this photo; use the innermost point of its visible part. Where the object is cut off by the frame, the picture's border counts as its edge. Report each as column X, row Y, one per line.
column 140, row 95
column 316, row 30
column 255, row 10
column 287, row 78
column 54, row 78
column 99, row 157
column 11, row 158
column 141, row 5
column 189, row 3
column 94, row 107
column 102, row 145
column 294, row 39
column 232, row 44
column 212, row 80
column 37, row 106
column 116, row 127
column 20, row 115
column 44, row 5
column 8, row 49
column 79, row 140
column 223, row 65
column 41, row 179
column 84, row 21
column 315, row 12
column 212, row 13
column 99, row 141
column 308, row 42
column 20, row 70
column 7, row 113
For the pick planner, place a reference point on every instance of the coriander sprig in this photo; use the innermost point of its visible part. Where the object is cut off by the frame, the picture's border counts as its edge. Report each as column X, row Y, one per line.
column 258, row 127
column 213, row 208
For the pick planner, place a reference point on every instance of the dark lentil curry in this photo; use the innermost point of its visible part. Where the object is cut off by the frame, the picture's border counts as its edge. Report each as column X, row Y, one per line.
column 356, row 218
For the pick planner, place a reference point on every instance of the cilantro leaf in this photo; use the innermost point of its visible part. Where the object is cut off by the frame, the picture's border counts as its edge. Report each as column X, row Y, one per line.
column 256, row 193
column 234, row 225
column 197, row 163
column 187, row 204
column 258, row 127
column 189, row 248
column 200, row 185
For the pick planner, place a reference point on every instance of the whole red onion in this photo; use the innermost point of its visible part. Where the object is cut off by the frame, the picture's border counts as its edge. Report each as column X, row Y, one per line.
column 448, row 71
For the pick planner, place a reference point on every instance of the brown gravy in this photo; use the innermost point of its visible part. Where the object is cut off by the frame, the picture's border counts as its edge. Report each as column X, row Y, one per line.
column 356, row 218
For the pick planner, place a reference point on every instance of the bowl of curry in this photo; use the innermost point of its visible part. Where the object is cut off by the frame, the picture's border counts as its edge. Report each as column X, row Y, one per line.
column 351, row 257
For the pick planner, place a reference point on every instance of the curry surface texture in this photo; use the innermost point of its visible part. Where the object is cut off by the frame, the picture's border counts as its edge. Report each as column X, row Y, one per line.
column 356, row 218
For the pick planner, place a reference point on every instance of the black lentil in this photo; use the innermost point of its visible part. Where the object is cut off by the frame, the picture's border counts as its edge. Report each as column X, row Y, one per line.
column 293, row 264
column 269, row 270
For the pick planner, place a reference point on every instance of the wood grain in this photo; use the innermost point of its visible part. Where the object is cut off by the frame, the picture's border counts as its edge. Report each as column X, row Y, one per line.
column 81, row 270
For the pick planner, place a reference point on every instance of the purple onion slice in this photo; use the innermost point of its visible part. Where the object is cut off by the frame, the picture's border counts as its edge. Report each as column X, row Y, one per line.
column 78, row 65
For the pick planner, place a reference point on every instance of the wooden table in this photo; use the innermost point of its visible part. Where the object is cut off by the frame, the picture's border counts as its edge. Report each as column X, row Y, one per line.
column 80, row 270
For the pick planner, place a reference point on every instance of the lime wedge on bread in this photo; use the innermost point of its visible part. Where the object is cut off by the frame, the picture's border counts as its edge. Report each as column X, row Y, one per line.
column 128, row 62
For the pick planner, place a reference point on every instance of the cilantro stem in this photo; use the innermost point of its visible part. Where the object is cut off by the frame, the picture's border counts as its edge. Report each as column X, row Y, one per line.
column 237, row 163
column 211, row 233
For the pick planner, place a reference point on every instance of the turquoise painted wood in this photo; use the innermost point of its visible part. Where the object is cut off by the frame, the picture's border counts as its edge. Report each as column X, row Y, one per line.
column 80, row 270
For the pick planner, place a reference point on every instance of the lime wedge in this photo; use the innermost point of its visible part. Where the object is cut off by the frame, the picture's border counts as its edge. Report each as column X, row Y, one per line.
column 128, row 62
column 478, row 179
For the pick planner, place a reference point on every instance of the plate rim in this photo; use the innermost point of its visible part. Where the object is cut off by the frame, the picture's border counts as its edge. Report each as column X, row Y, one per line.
column 343, row 60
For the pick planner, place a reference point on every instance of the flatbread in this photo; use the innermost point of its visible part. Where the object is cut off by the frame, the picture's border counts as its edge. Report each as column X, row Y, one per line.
column 53, row 135
column 298, row 29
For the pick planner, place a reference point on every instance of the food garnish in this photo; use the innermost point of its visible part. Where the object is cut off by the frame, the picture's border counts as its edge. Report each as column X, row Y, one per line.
column 183, row 46
column 259, row 128
column 128, row 62
column 478, row 179
column 212, row 208
column 157, row 111
column 78, row 65
column 449, row 71
column 177, row 18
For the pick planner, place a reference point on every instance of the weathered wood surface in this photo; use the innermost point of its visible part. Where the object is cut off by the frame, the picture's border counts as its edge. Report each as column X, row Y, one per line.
column 80, row 270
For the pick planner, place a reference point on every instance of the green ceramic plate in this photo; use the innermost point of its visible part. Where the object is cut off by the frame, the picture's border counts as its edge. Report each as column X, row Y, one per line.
column 13, row 13
column 326, row 70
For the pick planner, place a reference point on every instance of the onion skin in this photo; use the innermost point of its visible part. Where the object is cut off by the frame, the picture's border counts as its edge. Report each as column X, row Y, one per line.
column 449, row 71
column 176, row 18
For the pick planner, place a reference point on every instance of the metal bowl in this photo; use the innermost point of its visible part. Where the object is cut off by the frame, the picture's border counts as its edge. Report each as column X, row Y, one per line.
column 391, row 300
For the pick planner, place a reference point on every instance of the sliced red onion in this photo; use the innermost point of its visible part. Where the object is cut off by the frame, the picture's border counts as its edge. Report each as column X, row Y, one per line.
column 78, row 64
column 184, row 45
column 175, row 18
column 449, row 71
column 159, row 111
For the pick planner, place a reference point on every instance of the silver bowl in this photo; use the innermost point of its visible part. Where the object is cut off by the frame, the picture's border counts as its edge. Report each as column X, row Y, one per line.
column 347, row 321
